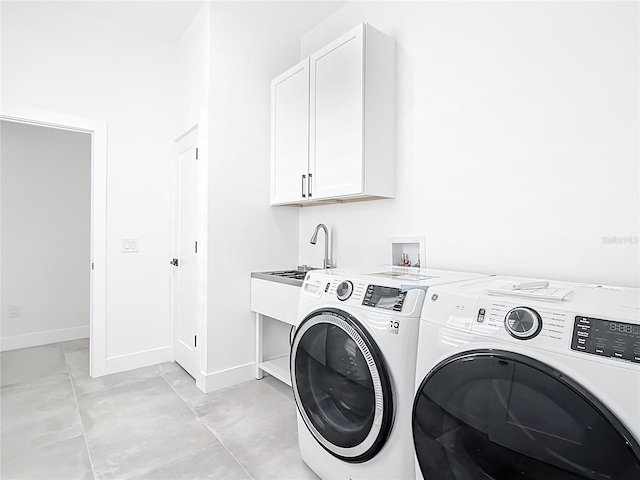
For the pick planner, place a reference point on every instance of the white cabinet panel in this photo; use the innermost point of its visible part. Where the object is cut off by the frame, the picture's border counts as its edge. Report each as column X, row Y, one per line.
column 290, row 134
column 275, row 300
column 336, row 156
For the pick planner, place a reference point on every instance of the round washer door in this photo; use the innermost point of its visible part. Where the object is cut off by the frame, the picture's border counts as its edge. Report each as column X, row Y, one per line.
column 490, row 414
column 341, row 385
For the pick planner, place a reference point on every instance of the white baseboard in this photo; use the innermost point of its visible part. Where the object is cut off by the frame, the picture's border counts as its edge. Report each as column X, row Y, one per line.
column 43, row 338
column 227, row 378
column 123, row 363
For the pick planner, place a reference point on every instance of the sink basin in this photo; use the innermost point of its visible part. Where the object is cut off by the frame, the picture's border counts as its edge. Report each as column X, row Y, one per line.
column 290, row 277
column 297, row 274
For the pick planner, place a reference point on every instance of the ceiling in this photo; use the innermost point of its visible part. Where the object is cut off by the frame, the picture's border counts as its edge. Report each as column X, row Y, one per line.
column 166, row 20
column 163, row 20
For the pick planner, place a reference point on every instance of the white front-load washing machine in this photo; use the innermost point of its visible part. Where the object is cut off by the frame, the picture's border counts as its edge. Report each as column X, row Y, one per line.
column 353, row 369
column 531, row 380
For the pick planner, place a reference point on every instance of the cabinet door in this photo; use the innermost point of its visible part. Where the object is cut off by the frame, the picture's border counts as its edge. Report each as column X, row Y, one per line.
column 290, row 135
column 336, row 122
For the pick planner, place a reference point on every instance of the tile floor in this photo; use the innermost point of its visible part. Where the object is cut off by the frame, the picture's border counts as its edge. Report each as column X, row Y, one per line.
column 150, row 423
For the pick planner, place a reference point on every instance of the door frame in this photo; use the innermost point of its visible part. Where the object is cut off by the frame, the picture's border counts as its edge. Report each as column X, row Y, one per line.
column 201, row 258
column 97, row 129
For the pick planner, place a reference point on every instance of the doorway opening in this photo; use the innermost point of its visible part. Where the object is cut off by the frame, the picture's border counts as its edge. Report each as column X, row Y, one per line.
column 22, row 119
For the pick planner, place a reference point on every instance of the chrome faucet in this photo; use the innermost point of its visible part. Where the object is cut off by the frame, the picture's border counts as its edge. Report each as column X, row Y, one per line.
column 314, row 240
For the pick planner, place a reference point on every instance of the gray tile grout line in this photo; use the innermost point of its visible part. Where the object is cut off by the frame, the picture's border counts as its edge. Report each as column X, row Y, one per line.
column 229, row 451
column 292, row 400
column 182, row 400
column 45, row 445
column 162, row 375
column 84, row 434
column 207, row 427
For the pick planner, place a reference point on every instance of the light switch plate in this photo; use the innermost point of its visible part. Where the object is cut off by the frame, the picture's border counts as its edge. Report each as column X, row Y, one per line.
column 129, row 245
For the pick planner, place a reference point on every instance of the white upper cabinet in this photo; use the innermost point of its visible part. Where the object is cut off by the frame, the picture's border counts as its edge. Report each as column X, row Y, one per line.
column 349, row 131
column 290, row 135
column 336, row 123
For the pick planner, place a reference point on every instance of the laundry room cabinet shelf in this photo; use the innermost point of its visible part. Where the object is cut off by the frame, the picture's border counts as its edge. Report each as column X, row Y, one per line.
column 277, row 367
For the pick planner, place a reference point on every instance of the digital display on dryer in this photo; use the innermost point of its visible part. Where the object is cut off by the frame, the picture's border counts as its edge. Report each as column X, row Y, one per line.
column 624, row 328
column 387, row 302
column 388, row 298
column 606, row 338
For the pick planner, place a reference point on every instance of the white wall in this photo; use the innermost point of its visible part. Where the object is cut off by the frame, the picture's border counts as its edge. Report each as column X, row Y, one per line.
column 247, row 50
column 249, row 43
column 192, row 72
column 192, row 55
column 517, row 139
column 56, row 59
column 46, row 199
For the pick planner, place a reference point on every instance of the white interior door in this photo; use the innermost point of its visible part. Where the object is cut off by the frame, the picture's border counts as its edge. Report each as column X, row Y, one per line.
column 185, row 251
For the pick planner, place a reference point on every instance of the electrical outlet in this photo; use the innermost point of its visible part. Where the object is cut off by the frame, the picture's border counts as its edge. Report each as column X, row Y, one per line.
column 14, row 311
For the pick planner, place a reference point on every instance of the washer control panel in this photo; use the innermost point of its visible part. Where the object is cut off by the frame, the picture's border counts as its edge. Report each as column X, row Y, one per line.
column 344, row 290
column 388, row 298
column 523, row 323
column 606, row 338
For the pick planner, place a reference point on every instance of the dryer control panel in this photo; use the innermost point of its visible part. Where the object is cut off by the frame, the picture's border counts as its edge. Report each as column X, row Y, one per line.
column 606, row 338
column 388, row 298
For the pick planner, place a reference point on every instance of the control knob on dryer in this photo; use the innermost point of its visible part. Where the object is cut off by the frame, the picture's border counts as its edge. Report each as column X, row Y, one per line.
column 344, row 290
column 523, row 323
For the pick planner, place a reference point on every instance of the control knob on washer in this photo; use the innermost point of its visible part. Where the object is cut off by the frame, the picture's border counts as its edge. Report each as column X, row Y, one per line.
column 344, row 290
column 523, row 323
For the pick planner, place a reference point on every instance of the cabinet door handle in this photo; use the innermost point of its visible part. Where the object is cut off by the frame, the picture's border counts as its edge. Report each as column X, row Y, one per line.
column 310, row 175
column 304, row 178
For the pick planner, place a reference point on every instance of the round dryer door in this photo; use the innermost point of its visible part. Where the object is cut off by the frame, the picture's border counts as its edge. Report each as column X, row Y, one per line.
column 341, row 385
column 500, row 415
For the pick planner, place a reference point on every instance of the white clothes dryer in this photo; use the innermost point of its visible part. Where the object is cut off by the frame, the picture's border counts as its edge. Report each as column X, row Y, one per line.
column 353, row 369
column 529, row 380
